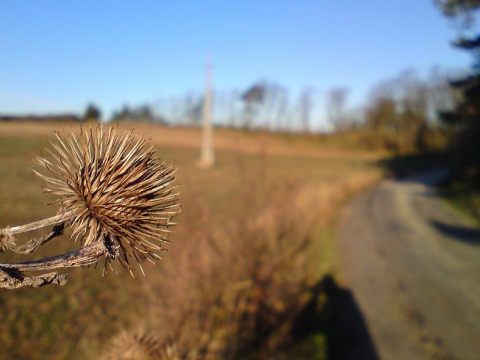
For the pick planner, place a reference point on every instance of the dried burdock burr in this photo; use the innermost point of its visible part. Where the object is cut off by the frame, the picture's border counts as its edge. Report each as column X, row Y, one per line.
column 118, row 199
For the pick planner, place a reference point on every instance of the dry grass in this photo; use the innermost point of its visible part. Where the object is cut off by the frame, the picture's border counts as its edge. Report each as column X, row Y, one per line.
column 248, row 248
column 225, row 139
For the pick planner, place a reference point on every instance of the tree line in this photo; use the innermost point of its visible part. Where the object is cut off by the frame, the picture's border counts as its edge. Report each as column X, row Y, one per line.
column 401, row 114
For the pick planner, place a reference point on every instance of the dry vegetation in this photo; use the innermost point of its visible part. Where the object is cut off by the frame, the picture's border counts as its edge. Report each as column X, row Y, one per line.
column 253, row 240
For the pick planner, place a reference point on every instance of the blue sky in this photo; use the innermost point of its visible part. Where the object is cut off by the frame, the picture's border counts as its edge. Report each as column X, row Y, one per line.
column 58, row 56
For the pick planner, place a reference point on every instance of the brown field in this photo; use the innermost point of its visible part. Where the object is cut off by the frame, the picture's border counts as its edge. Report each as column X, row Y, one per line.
column 226, row 139
column 254, row 237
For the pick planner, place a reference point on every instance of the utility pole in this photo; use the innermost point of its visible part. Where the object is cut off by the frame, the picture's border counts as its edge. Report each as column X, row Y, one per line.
column 207, row 157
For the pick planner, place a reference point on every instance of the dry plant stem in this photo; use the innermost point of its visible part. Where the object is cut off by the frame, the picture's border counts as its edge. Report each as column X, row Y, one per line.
column 34, row 244
column 85, row 256
column 11, row 275
column 54, row 220
column 15, row 281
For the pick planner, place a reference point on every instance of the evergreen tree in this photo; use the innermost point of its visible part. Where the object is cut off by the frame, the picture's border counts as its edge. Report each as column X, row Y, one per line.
column 465, row 118
column 92, row 113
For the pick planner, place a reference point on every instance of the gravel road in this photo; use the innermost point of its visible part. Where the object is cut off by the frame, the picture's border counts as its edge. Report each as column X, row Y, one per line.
column 413, row 266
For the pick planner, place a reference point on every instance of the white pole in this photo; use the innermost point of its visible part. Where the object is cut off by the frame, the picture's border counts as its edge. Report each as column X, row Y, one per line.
column 207, row 158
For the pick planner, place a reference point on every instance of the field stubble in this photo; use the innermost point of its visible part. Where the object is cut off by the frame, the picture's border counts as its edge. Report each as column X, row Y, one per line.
column 251, row 243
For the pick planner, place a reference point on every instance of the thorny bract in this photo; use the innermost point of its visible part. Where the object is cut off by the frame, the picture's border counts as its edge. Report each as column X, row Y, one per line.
column 118, row 200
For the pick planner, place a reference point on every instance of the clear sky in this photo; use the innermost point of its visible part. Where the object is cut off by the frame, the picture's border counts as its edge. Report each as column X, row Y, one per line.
column 58, row 56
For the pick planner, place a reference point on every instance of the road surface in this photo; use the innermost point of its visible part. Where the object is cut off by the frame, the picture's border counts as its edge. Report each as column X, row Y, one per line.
column 413, row 266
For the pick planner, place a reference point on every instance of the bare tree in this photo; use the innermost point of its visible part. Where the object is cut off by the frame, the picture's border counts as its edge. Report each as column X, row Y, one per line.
column 252, row 98
column 194, row 109
column 336, row 101
column 282, row 105
column 305, row 109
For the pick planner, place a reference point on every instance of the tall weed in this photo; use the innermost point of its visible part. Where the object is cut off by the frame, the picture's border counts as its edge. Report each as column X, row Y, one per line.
column 234, row 290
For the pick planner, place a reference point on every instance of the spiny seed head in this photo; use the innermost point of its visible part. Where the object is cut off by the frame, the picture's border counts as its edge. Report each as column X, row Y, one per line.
column 136, row 344
column 117, row 191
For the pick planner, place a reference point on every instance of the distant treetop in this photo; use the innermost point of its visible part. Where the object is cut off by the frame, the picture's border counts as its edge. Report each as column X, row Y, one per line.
column 92, row 113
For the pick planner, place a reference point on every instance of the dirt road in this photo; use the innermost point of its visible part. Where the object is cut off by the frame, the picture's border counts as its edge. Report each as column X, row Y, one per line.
column 413, row 265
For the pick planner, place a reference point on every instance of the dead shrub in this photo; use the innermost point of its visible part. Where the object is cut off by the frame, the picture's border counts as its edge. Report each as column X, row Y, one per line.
column 236, row 289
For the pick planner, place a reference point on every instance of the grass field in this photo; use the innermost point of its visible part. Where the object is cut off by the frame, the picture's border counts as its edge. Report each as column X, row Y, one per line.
column 254, row 237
